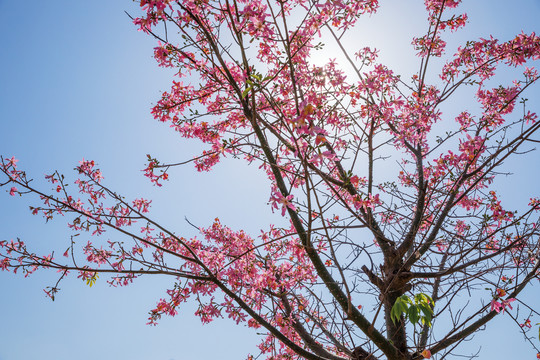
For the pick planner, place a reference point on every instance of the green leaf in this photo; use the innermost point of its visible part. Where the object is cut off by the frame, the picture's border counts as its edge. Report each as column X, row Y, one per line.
column 421, row 309
column 256, row 76
column 394, row 314
column 406, row 299
column 422, row 298
column 427, row 310
column 425, row 321
column 400, row 306
column 245, row 92
column 413, row 314
column 92, row 280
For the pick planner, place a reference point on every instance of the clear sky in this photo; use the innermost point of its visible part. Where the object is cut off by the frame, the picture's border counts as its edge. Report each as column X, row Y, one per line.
column 77, row 80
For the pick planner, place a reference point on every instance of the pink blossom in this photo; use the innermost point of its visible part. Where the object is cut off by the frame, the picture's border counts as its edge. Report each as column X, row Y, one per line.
column 12, row 162
column 4, row 264
column 507, row 302
column 286, row 202
column 500, row 306
column 496, row 306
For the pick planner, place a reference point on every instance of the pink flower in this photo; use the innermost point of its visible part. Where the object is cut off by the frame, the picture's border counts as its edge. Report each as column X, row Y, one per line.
column 4, row 264
column 12, row 161
column 286, row 202
column 495, row 305
column 12, row 191
column 500, row 306
column 426, row 354
column 507, row 302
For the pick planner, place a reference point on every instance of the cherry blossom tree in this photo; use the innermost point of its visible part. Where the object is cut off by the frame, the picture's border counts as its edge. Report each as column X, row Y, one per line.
column 365, row 260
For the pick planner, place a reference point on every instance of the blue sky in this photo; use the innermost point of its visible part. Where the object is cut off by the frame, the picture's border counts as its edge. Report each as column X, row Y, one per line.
column 78, row 81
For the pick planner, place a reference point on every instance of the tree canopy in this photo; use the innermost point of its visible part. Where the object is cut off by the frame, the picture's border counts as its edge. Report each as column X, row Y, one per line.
column 391, row 240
